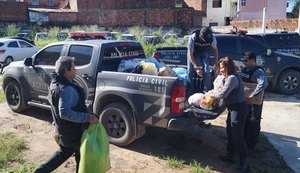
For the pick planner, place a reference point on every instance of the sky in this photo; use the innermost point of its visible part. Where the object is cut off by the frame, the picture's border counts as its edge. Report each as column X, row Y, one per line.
column 291, row 5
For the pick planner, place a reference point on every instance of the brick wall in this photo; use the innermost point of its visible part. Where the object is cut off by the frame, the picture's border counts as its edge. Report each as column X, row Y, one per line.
column 62, row 18
column 8, row 12
column 280, row 24
column 113, row 13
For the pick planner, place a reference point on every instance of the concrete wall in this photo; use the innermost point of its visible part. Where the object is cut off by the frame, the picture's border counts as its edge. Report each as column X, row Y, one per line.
column 215, row 15
column 8, row 12
column 254, row 10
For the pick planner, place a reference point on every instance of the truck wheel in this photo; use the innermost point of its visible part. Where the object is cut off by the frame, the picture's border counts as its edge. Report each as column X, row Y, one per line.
column 14, row 97
column 289, row 82
column 117, row 118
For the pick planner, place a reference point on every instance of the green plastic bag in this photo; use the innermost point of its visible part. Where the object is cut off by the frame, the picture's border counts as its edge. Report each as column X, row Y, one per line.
column 94, row 150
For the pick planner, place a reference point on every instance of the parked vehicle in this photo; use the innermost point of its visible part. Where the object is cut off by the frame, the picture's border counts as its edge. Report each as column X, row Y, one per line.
column 152, row 39
column 282, row 69
column 15, row 50
column 62, row 35
column 115, row 35
column 41, row 36
column 125, row 102
column 174, row 56
column 288, row 42
column 127, row 37
column 170, row 36
column 23, row 34
column 107, row 35
column 23, row 38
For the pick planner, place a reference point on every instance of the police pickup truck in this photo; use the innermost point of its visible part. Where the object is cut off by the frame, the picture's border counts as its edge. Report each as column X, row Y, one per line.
column 125, row 102
column 282, row 69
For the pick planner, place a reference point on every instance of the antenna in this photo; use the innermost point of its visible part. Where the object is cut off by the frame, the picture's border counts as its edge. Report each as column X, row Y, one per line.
column 63, row 4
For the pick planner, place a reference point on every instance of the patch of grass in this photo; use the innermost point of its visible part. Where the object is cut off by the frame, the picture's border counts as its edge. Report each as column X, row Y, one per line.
column 2, row 96
column 197, row 168
column 26, row 168
column 173, row 162
column 10, row 149
column 43, row 43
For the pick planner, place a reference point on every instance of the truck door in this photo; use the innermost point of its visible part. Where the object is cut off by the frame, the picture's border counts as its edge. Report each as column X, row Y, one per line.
column 262, row 59
column 38, row 76
column 86, row 67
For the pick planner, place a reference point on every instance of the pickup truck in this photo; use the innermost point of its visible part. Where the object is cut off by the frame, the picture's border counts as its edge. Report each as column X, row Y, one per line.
column 125, row 102
column 287, row 42
column 282, row 69
column 174, row 56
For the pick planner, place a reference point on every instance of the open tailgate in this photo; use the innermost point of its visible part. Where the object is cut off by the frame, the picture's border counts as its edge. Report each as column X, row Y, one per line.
column 202, row 114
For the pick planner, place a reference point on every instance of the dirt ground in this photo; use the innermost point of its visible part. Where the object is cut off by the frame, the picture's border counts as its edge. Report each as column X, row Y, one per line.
column 204, row 144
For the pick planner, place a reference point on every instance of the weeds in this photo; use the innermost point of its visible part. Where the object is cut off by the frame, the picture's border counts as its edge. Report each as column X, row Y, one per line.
column 196, row 168
column 12, row 30
column 26, row 168
column 173, row 162
column 2, row 96
column 11, row 149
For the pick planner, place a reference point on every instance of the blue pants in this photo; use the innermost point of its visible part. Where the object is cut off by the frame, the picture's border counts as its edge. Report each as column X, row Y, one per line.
column 202, row 60
column 59, row 158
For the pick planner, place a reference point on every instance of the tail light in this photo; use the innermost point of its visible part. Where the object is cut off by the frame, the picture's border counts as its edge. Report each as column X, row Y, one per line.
column 2, row 51
column 156, row 56
column 177, row 99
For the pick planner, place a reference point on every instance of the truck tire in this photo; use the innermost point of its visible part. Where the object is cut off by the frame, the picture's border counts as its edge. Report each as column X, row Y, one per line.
column 14, row 96
column 117, row 118
column 289, row 82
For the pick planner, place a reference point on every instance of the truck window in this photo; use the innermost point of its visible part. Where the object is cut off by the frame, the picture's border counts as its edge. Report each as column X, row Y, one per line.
column 283, row 40
column 113, row 55
column 251, row 45
column 48, row 56
column 82, row 54
column 227, row 44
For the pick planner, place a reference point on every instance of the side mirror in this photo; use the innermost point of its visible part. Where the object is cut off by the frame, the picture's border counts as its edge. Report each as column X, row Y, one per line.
column 28, row 62
column 269, row 52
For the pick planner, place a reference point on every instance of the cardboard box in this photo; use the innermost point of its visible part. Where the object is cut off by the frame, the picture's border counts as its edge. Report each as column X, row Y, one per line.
column 249, row 88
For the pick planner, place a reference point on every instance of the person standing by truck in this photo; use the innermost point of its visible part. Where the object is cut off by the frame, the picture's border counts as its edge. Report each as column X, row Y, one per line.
column 69, row 113
column 252, row 73
column 232, row 93
column 199, row 46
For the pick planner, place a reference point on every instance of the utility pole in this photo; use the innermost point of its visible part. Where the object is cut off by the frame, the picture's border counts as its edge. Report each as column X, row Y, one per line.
column 263, row 27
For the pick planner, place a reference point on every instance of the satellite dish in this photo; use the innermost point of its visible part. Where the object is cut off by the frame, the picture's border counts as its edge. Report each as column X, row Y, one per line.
column 63, row 4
